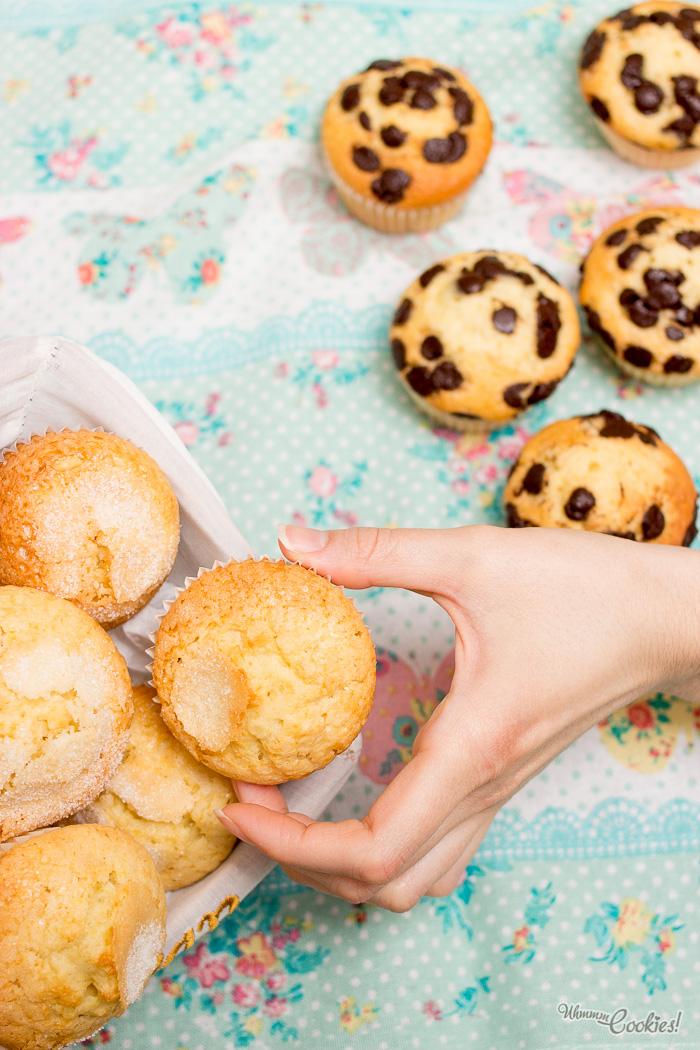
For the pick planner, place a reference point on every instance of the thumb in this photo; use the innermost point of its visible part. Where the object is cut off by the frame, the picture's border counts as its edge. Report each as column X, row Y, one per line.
column 425, row 560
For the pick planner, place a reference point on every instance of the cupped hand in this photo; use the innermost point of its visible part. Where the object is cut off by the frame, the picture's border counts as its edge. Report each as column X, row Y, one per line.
column 554, row 630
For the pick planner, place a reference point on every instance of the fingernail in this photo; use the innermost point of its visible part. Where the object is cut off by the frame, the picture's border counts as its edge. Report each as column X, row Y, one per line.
column 303, row 540
column 230, row 825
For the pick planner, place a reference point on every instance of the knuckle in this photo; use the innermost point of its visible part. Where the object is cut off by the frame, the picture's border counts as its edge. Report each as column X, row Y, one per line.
column 377, row 869
column 369, row 543
column 397, row 899
column 355, row 894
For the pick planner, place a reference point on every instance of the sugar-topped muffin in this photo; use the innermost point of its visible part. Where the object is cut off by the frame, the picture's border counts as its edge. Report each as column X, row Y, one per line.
column 166, row 799
column 82, row 926
column 641, row 293
column 481, row 336
column 639, row 72
column 404, row 140
column 65, row 709
column 90, row 517
column 603, row 473
column 265, row 671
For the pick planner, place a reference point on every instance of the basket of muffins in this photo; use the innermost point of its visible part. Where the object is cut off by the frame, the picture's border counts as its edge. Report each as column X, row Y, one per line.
column 111, row 853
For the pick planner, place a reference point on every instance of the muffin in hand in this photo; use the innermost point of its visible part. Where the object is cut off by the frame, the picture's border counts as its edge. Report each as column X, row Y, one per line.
column 403, row 141
column 87, row 516
column 639, row 72
column 265, row 671
column 603, row 474
column 480, row 337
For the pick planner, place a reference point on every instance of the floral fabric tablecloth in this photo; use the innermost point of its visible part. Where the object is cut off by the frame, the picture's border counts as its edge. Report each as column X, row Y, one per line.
column 162, row 200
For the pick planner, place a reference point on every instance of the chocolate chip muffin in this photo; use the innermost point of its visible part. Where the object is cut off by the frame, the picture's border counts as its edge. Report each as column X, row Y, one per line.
column 481, row 336
column 641, row 293
column 403, row 141
column 603, row 474
column 639, row 73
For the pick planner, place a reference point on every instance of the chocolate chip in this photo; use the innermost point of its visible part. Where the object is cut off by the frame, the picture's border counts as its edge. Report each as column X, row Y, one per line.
column 616, row 237
column 391, row 185
column 513, row 518
column 633, row 21
column 661, row 18
column 648, row 97
column 653, row 523
column 365, row 158
column 415, row 78
column 398, row 349
column 427, row 275
column 596, row 325
column 628, row 296
column 444, row 73
column 638, row 356
column 350, row 97
column 384, row 65
column 691, row 532
column 470, row 282
column 546, row 273
column 548, row 325
column 579, row 504
column 392, row 91
column 463, row 108
column 445, row 151
column 365, row 121
column 592, row 49
column 627, row 257
column 599, row 108
column 678, row 363
column 656, row 276
column 393, row 136
column 684, row 315
column 641, row 314
column 490, row 267
column 691, row 13
column 675, row 334
column 621, row 535
column 532, row 482
column 447, row 376
column 422, row 99
column 685, row 92
column 616, row 426
column 649, row 225
column 504, row 319
column 689, row 238
column 431, row 348
column 663, row 292
column 403, row 311
column 421, row 380
column 631, row 75
column 684, row 126
column 541, row 391
column 514, row 395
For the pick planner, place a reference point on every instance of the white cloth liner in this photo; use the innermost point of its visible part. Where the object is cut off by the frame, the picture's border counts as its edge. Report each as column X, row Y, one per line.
column 52, row 383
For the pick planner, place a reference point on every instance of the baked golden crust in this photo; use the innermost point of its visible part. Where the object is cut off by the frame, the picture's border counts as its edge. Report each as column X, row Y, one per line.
column 265, row 671
column 640, row 290
column 374, row 125
column 602, row 473
column 165, row 799
column 87, row 516
column 639, row 71
column 65, row 709
column 82, row 925
column 483, row 335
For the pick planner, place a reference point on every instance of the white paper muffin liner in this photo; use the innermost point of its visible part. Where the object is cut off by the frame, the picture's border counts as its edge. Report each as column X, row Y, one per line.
column 51, row 383
column 643, row 156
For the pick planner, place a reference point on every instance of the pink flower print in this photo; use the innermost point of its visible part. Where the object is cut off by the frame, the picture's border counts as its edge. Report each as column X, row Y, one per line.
column 175, row 33
column 275, row 1007
column 276, row 981
column 520, row 939
column 294, row 934
column 246, row 995
column 282, row 370
column 205, row 59
column 279, row 940
column 14, row 229
column 225, row 439
column 210, row 271
column 432, row 1010
column 257, row 956
column 87, row 273
column 215, row 27
column 511, row 447
column 667, row 941
column 325, row 359
column 460, row 487
column 323, row 482
column 206, row 971
column 320, row 395
column 298, row 519
column 66, row 163
column 187, row 432
column 212, row 403
column 483, row 475
column 347, row 517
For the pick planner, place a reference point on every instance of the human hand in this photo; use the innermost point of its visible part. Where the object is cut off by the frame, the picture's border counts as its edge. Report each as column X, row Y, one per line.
column 554, row 630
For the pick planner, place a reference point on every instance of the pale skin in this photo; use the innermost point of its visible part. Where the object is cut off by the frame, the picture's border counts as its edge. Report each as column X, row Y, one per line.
column 554, row 630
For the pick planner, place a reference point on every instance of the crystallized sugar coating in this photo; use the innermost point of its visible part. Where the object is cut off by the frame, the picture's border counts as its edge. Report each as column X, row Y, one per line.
column 264, row 670
column 166, row 799
column 87, row 516
column 65, row 709
column 82, row 925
